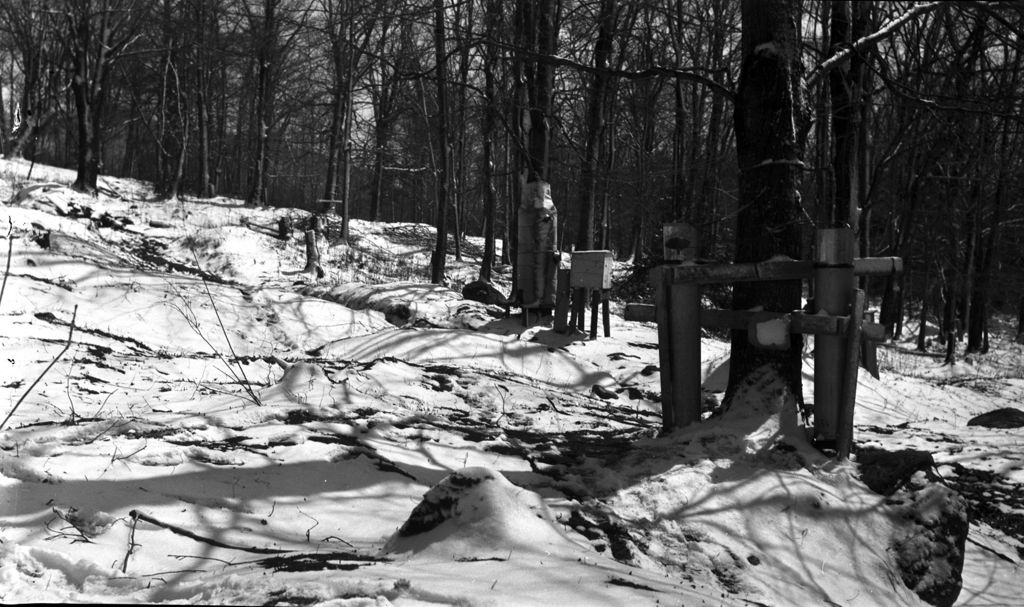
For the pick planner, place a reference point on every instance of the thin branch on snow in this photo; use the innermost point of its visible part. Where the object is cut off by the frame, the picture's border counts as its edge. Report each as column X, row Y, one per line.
column 131, row 543
column 10, row 248
column 71, row 332
column 135, row 514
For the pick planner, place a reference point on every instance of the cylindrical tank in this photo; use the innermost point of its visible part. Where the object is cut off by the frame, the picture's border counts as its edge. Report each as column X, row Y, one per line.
column 537, row 260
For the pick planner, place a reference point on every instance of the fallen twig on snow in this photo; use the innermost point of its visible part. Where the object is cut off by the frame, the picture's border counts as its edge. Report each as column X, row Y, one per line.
column 239, row 377
column 10, row 249
column 131, row 543
column 71, row 332
column 135, row 514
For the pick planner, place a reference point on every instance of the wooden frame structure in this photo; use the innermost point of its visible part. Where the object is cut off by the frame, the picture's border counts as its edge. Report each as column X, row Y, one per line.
column 839, row 324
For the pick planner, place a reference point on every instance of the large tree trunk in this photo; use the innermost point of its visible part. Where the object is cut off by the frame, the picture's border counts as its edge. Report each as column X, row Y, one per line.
column 770, row 152
column 381, row 131
column 595, row 125
column 542, row 90
column 535, row 38
column 977, row 332
column 334, row 142
column 265, row 63
column 1020, row 321
column 922, row 328
column 437, row 262
column 845, row 89
column 205, row 189
column 680, row 202
column 489, row 127
column 88, row 86
column 459, row 192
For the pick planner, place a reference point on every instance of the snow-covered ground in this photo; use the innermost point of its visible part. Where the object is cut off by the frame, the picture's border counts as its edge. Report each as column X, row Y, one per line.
column 223, row 428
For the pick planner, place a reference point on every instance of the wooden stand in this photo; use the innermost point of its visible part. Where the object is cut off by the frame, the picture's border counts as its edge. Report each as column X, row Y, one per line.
column 590, row 279
column 833, row 285
column 838, row 324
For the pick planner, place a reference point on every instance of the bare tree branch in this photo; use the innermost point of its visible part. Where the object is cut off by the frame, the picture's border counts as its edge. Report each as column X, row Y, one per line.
column 870, row 40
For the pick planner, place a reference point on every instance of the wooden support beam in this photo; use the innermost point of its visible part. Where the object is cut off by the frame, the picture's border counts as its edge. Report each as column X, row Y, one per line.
column 877, row 266
column 872, row 331
column 848, row 402
column 817, row 324
column 606, row 314
column 685, row 345
column 328, row 207
column 561, row 321
column 741, row 272
column 777, row 270
column 678, row 312
column 808, row 324
column 660, row 280
column 639, row 312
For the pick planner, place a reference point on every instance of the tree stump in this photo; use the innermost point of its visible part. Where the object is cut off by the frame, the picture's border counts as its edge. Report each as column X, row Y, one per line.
column 284, row 228
column 313, row 266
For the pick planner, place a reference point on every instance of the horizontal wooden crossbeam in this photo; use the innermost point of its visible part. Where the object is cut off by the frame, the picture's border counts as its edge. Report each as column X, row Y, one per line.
column 877, row 266
column 740, row 272
column 774, row 270
column 799, row 322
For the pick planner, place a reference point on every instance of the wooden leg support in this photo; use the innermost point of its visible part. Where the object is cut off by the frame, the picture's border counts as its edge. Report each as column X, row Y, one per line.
column 606, row 314
column 561, row 320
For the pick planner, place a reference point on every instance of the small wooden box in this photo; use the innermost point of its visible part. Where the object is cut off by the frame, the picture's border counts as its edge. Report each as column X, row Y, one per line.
column 591, row 270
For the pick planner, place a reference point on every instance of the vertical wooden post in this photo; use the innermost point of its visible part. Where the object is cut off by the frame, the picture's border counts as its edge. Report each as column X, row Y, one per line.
column 677, row 307
column 561, row 321
column 686, row 352
column 869, row 350
column 662, row 305
column 844, row 441
column 595, row 302
column 677, row 311
column 606, row 313
column 573, row 308
column 833, row 284
column 579, row 307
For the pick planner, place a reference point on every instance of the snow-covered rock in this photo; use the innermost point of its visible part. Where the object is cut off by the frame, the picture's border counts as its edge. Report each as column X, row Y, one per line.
column 477, row 514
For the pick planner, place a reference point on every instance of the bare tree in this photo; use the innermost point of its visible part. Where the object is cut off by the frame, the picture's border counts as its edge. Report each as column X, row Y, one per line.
column 32, row 33
column 437, row 261
column 98, row 31
column 770, row 148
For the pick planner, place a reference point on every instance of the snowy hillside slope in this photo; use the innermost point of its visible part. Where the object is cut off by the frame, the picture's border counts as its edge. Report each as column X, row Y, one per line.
column 225, row 429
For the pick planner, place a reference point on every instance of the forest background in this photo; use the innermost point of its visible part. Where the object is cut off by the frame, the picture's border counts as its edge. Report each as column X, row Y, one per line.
column 907, row 117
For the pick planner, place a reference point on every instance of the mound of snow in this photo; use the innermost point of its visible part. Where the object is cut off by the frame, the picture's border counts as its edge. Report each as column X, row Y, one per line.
column 477, row 514
column 405, row 303
column 302, row 383
column 480, row 350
